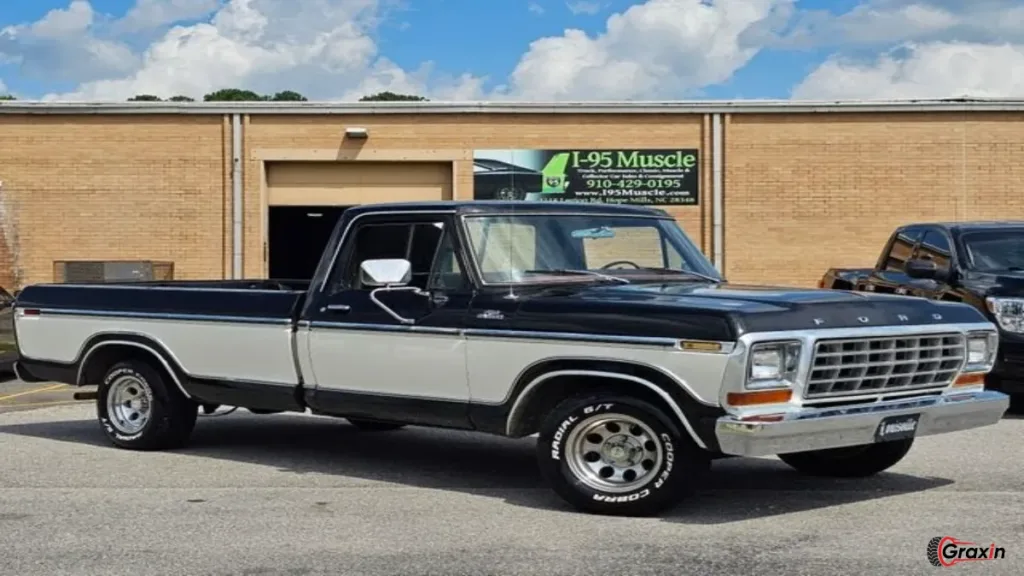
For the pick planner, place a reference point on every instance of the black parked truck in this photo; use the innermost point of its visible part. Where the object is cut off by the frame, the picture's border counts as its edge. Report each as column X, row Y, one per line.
column 601, row 328
column 977, row 263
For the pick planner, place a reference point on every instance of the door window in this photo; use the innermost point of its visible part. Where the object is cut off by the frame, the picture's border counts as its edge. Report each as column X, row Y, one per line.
column 421, row 243
column 901, row 250
column 934, row 246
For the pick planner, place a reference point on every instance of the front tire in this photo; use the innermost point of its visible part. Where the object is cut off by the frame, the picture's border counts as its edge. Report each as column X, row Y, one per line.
column 138, row 409
column 850, row 462
column 617, row 455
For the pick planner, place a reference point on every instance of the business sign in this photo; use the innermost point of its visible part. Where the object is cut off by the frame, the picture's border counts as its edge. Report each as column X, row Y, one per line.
column 661, row 177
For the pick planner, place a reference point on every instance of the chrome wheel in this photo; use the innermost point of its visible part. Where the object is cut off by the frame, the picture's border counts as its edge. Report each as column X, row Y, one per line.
column 613, row 453
column 129, row 404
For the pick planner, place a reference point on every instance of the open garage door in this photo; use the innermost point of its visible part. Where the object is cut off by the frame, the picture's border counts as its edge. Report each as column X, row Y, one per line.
column 353, row 183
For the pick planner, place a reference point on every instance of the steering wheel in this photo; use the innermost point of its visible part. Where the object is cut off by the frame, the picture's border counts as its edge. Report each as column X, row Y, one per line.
column 630, row 262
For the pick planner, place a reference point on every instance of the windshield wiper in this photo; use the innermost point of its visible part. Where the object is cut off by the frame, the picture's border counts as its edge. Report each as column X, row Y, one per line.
column 683, row 273
column 605, row 277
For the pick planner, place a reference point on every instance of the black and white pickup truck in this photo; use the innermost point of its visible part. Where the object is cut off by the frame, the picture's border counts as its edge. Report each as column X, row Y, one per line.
column 601, row 328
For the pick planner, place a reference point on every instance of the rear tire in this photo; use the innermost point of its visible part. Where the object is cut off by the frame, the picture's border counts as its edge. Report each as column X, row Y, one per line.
column 139, row 409
column 616, row 455
column 375, row 426
column 852, row 462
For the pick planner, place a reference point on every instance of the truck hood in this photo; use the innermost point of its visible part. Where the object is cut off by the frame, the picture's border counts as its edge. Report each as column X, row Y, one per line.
column 709, row 309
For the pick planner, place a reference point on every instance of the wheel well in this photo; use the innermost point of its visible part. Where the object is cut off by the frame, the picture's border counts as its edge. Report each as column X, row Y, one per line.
column 541, row 400
column 102, row 358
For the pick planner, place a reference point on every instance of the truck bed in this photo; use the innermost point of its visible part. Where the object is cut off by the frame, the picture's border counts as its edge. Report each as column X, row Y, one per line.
column 213, row 330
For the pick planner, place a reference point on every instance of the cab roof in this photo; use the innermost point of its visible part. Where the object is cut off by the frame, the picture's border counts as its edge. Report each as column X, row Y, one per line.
column 968, row 226
column 510, row 207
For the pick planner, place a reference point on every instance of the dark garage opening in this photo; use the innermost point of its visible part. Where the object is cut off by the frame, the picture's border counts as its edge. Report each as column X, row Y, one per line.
column 296, row 236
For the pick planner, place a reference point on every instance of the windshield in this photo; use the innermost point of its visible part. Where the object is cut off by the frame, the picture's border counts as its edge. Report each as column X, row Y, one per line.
column 522, row 248
column 994, row 250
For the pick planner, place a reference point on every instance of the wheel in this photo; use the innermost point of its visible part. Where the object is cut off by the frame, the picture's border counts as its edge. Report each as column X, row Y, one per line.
column 617, row 455
column 139, row 409
column 374, row 426
column 850, row 462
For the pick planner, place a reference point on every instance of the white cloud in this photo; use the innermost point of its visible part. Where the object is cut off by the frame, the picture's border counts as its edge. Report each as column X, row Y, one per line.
column 932, row 70
column 60, row 46
column 886, row 22
column 657, row 49
column 148, row 14
column 928, row 49
column 584, row 7
column 321, row 48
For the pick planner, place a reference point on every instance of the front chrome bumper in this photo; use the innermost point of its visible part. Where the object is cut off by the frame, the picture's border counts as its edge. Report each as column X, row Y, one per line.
column 819, row 428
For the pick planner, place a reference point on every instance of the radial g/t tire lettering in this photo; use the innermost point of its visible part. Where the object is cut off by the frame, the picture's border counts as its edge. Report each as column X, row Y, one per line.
column 617, row 455
column 139, row 409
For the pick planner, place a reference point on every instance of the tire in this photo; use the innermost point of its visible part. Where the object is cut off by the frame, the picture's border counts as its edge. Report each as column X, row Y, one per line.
column 933, row 551
column 375, row 426
column 166, row 424
column 675, row 462
column 852, row 462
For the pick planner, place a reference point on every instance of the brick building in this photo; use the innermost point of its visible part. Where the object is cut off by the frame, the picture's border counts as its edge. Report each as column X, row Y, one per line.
column 782, row 190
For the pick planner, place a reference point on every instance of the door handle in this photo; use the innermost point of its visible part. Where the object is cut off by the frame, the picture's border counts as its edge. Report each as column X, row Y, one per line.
column 339, row 308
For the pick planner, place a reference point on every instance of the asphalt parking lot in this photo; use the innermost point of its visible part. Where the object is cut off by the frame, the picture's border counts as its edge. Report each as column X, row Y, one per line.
column 302, row 495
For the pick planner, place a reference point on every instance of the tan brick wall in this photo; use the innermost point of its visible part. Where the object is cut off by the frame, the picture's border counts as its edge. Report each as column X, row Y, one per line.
column 433, row 131
column 111, row 188
column 807, row 192
column 802, row 192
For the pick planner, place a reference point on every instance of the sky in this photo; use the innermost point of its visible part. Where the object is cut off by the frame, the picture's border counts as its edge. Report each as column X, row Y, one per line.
column 514, row 50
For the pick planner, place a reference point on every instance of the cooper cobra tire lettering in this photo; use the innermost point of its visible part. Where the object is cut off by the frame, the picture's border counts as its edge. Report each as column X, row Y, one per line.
column 627, row 498
column 670, row 458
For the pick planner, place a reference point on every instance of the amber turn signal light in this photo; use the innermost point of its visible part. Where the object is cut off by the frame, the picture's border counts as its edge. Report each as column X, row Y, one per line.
column 759, row 397
column 969, row 380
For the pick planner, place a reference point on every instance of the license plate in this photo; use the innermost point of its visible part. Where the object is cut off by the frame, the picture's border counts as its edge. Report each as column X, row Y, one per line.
column 897, row 427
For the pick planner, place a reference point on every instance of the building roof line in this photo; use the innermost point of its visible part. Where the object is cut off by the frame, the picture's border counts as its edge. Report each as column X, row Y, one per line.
column 508, row 107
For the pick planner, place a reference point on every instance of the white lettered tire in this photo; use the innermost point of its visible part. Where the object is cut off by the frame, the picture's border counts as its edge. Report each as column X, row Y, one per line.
column 617, row 455
column 139, row 409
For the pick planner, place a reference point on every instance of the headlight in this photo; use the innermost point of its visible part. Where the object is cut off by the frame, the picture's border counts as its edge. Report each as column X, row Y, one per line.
column 981, row 351
column 1009, row 312
column 772, row 364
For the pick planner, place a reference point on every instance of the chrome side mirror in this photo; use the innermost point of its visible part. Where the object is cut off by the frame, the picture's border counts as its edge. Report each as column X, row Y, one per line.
column 385, row 272
column 388, row 275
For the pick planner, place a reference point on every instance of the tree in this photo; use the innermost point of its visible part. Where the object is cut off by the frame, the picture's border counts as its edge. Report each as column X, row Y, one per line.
column 7, row 97
column 181, row 99
column 389, row 96
column 145, row 98
column 233, row 95
column 288, row 96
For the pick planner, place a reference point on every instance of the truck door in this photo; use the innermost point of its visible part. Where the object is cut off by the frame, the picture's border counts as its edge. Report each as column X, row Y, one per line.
column 363, row 359
column 935, row 245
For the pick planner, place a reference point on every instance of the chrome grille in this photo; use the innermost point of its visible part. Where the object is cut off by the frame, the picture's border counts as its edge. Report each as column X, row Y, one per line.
column 856, row 366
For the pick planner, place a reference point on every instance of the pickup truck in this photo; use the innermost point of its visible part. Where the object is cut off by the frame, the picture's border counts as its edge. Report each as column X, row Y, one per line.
column 600, row 328
column 977, row 263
